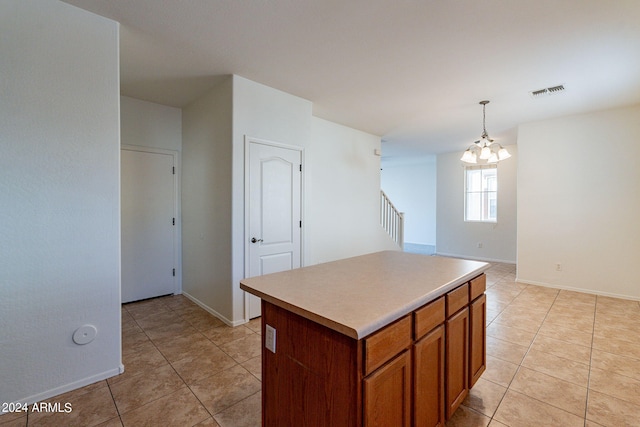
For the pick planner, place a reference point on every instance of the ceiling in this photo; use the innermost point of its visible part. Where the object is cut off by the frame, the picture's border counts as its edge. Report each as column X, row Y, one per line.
column 411, row 71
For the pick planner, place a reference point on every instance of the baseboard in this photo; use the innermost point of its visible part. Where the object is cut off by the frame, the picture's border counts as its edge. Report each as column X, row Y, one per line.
column 72, row 386
column 210, row 310
column 570, row 288
column 504, row 261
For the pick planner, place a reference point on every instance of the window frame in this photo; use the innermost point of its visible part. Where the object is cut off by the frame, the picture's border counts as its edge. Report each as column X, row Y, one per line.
column 485, row 195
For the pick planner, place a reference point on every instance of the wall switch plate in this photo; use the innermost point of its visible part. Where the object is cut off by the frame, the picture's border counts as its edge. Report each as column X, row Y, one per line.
column 270, row 338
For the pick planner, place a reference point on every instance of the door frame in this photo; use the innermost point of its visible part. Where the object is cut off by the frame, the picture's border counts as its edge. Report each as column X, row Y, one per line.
column 177, row 211
column 248, row 140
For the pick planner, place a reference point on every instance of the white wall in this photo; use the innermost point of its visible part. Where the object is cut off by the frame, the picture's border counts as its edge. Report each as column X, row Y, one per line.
column 149, row 124
column 206, row 200
column 454, row 236
column 158, row 127
column 579, row 205
column 59, row 198
column 340, row 172
column 269, row 114
column 411, row 187
column 343, row 194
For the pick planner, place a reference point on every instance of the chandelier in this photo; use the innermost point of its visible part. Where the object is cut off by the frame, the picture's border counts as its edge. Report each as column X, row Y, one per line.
column 485, row 150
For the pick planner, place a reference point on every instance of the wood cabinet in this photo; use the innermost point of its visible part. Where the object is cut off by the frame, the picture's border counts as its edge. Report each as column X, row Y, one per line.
column 387, row 394
column 429, row 379
column 477, row 329
column 383, row 345
column 413, row 372
column 429, row 364
column 312, row 379
column 387, row 386
column 457, row 359
column 457, row 348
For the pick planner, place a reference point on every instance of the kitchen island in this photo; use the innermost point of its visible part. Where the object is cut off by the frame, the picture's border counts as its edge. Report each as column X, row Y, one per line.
column 385, row 339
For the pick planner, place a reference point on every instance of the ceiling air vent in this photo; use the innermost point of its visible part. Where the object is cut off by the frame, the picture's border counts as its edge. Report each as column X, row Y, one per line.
column 537, row 93
column 546, row 91
column 555, row 89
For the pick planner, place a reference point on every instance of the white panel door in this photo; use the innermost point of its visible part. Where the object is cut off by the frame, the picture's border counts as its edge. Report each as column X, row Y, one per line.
column 148, row 200
column 274, row 205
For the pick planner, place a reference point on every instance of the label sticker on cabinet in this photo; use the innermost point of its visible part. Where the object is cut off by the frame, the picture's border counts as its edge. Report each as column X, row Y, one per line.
column 270, row 338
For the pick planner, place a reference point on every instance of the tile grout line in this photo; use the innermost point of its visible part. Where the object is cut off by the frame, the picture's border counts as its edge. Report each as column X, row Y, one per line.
column 490, row 323
column 177, row 373
column 531, row 345
column 170, row 364
column 525, row 354
column 162, row 354
column 589, row 364
column 593, row 331
column 218, row 347
column 114, row 403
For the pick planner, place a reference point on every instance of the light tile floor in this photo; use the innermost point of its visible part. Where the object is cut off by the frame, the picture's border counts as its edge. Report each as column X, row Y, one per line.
column 555, row 358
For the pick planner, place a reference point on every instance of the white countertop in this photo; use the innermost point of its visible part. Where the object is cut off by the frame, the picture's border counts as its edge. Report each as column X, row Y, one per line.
column 357, row 296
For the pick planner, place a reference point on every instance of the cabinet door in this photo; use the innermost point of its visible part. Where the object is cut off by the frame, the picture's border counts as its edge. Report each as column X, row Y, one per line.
column 477, row 333
column 387, row 394
column 429, row 379
column 457, row 356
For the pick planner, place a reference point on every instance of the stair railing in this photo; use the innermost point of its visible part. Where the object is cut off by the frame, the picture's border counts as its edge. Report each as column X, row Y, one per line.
column 391, row 219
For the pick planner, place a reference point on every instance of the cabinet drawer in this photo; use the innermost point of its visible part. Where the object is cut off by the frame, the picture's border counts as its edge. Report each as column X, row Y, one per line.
column 386, row 343
column 477, row 287
column 457, row 299
column 428, row 317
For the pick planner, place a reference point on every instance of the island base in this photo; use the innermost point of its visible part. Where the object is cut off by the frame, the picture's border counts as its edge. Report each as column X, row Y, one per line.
column 414, row 371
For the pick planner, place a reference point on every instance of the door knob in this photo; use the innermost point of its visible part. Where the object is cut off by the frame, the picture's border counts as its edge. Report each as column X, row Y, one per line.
column 254, row 240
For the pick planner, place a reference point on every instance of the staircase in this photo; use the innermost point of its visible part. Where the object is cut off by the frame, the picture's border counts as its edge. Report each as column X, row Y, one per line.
column 391, row 219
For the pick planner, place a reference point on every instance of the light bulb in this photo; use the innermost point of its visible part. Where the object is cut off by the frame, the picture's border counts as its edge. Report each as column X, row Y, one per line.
column 503, row 154
column 485, row 153
column 468, row 157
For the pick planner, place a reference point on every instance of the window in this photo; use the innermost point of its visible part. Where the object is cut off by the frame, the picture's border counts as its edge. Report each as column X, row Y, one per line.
column 481, row 193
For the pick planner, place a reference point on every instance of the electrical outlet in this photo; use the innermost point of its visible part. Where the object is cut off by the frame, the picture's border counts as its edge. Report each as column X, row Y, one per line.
column 480, row 245
column 558, row 267
column 270, row 338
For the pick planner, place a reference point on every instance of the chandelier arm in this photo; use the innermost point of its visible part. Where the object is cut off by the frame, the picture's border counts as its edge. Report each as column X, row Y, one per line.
column 485, row 149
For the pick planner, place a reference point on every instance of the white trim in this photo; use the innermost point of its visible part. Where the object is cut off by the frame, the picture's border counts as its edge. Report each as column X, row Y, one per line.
column 72, row 386
column 177, row 208
column 210, row 310
column 248, row 140
column 582, row 290
column 466, row 193
column 504, row 261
